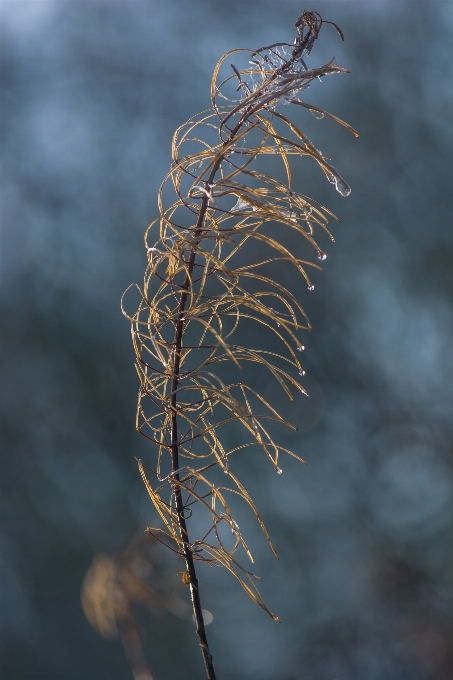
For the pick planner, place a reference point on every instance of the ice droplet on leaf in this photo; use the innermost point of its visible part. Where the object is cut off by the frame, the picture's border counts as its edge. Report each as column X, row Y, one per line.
column 342, row 187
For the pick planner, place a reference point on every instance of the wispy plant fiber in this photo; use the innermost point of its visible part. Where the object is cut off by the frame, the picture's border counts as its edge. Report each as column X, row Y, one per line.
column 209, row 275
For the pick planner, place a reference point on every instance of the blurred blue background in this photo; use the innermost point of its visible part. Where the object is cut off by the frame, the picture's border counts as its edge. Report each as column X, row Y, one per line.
column 91, row 94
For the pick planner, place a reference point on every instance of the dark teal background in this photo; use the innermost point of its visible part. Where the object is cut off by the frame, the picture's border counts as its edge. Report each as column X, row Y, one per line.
column 91, row 94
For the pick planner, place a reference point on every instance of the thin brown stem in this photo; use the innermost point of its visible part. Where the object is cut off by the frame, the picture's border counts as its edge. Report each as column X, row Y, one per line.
column 179, row 331
column 188, row 556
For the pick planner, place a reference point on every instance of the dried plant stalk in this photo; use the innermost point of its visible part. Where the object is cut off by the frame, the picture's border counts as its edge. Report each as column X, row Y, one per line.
column 207, row 290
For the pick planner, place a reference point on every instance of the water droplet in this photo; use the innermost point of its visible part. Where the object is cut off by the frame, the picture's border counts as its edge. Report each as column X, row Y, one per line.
column 278, row 325
column 321, row 255
column 301, row 348
column 311, row 287
column 330, row 177
column 279, row 471
column 342, row 187
column 301, row 372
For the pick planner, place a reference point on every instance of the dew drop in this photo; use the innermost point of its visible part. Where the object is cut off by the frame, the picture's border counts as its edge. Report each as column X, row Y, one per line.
column 342, row 187
column 321, row 255
column 330, row 177
column 301, row 348
column 311, row 287
column 279, row 471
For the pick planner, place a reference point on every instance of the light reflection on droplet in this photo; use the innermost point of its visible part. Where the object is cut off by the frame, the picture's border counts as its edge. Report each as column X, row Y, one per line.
column 342, row 187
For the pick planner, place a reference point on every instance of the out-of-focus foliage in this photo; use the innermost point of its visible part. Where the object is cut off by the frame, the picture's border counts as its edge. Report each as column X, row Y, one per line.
column 114, row 588
column 91, row 94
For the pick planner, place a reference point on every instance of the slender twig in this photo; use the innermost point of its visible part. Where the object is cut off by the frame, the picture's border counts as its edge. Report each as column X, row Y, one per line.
column 188, row 556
